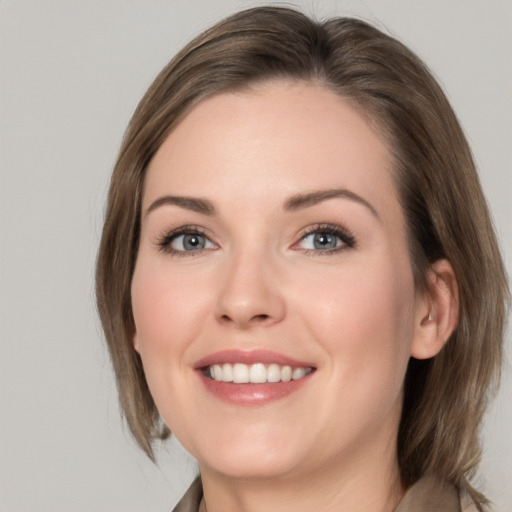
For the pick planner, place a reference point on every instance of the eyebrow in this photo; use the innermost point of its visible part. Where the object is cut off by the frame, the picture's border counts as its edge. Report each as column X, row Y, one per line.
column 294, row 203
column 188, row 203
column 300, row 201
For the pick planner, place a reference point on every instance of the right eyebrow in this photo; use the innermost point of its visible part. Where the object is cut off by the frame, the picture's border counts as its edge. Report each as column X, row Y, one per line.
column 188, row 203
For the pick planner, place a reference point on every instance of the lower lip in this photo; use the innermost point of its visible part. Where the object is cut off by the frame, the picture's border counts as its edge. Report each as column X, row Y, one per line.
column 252, row 394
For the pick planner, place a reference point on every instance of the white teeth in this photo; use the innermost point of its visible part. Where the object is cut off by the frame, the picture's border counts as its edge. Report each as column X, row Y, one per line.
column 240, row 373
column 274, row 373
column 227, row 373
column 286, row 374
column 298, row 373
column 217, row 372
column 258, row 373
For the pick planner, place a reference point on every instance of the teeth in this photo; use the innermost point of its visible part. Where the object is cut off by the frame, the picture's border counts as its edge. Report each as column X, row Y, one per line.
column 274, row 373
column 217, row 372
column 255, row 374
column 227, row 373
column 298, row 373
column 240, row 373
column 258, row 374
column 286, row 374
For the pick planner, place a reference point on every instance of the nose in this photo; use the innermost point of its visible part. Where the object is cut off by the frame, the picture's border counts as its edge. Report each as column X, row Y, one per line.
column 249, row 294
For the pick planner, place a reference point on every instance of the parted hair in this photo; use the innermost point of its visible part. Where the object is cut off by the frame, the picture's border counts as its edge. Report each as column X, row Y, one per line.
column 438, row 187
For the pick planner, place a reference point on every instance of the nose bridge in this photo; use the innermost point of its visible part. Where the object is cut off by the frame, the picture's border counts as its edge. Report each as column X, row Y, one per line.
column 249, row 292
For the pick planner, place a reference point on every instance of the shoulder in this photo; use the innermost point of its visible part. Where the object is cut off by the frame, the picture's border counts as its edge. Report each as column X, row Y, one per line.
column 430, row 494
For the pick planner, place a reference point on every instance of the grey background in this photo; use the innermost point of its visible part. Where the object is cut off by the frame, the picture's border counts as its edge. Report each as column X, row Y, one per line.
column 71, row 74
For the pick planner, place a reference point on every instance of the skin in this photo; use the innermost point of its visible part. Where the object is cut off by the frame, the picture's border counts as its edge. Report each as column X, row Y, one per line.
column 352, row 313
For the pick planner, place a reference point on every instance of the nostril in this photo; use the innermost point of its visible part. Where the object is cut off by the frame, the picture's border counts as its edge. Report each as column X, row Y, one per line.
column 253, row 319
column 260, row 318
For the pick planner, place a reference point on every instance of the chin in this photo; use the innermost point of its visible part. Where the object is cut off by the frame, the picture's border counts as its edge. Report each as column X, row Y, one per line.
column 257, row 467
column 250, row 456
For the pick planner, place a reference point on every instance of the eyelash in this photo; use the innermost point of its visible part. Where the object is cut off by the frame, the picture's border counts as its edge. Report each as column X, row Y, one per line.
column 164, row 243
column 347, row 239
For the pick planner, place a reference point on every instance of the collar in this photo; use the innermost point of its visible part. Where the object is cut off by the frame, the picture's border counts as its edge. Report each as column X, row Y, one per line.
column 428, row 494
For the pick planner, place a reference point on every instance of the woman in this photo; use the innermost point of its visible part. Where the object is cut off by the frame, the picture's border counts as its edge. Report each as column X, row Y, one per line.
column 298, row 275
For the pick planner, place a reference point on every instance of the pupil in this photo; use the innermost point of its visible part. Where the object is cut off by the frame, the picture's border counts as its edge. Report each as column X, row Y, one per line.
column 324, row 241
column 193, row 242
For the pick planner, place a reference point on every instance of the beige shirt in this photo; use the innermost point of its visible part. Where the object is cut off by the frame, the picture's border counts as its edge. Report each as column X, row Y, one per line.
column 426, row 495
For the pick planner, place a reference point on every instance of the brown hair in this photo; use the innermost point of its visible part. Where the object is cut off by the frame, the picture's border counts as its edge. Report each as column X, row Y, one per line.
column 446, row 212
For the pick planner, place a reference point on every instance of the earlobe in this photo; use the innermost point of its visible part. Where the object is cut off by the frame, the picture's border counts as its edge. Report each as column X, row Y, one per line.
column 135, row 341
column 437, row 313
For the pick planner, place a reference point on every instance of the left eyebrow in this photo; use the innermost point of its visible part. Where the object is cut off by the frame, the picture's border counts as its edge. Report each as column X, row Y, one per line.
column 300, row 201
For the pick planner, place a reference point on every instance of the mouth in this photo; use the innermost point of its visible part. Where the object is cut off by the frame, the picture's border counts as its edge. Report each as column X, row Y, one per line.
column 257, row 373
column 252, row 377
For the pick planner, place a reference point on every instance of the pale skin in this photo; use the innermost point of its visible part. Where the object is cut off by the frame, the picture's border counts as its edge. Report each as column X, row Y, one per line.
column 264, row 276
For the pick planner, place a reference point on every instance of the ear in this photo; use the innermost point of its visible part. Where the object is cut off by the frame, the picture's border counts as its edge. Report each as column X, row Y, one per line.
column 437, row 312
column 136, row 344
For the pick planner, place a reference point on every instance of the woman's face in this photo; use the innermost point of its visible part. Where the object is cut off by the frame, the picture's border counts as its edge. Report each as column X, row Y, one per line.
column 273, row 246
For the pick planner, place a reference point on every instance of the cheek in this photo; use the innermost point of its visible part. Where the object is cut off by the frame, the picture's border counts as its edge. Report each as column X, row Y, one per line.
column 165, row 308
column 152, row 311
column 365, row 323
column 152, row 306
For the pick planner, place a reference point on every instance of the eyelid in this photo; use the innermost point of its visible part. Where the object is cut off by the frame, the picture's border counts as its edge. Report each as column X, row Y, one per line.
column 341, row 232
column 164, row 241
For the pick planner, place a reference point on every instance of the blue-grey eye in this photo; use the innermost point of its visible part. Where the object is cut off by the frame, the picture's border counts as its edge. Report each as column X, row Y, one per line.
column 321, row 241
column 325, row 241
column 191, row 242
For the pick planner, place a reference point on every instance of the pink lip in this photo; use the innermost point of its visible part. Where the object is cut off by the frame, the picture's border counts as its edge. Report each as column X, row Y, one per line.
column 250, row 357
column 250, row 394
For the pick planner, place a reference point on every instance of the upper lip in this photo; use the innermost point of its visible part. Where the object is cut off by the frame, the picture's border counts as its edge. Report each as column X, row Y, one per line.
column 251, row 357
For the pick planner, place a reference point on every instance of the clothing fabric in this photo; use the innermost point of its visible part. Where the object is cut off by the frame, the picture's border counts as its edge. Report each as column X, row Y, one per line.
column 426, row 495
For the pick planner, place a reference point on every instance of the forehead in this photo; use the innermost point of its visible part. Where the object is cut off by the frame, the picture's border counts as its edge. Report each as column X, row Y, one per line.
column 282, row 136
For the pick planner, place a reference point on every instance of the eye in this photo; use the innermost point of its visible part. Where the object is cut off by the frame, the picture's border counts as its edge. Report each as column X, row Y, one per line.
column 326, row 238
column 185, row 240
column 321, row 241
column 191, row 242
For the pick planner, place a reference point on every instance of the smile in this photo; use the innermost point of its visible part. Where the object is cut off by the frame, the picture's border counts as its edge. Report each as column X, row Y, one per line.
column 257, row 373
column 254, row 377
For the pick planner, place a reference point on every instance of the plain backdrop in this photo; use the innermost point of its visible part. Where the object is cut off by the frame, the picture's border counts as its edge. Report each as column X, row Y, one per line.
column 71, row 73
